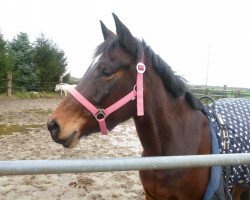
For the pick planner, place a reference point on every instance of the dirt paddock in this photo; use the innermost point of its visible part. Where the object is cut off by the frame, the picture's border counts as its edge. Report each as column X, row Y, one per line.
column 23, row 136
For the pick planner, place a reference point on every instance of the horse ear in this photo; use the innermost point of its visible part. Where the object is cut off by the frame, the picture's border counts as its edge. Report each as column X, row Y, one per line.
column 106, row 32
column 123, row 33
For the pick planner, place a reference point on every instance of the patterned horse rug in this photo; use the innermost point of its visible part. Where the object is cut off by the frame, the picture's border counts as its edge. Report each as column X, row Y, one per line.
column 233, row 116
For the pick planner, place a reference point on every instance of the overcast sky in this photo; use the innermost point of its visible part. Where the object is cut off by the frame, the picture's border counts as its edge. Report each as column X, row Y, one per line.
column 194, row 36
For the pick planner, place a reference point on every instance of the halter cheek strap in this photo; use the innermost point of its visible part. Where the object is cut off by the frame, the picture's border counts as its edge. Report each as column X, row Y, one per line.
column 101, row 114
column 140, row 67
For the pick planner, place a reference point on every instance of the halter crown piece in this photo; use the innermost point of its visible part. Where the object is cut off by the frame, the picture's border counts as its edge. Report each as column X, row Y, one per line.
column 101, row 114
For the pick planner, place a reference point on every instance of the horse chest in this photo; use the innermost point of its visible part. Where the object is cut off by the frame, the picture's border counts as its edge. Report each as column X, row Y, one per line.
column 173, row 184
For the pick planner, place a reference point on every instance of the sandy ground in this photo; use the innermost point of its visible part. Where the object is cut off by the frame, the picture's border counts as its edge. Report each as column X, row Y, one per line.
column 26, row 120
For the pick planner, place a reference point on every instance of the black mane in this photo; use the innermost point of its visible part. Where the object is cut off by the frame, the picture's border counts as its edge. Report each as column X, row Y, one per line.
column 173, row 83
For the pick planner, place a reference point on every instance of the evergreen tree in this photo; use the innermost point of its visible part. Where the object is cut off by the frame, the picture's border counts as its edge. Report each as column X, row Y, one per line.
column 24, row 74
column 2, row 58
column 6, row 63
column 50, row 63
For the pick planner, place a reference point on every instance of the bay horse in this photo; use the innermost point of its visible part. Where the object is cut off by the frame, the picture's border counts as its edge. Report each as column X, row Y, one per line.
column 128, row 79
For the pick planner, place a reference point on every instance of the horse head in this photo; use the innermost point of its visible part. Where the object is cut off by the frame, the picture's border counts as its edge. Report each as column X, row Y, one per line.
column 111, row 75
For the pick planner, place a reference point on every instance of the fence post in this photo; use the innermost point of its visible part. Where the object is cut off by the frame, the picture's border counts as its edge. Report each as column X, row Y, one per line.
column 9, row 83
column 61, row 81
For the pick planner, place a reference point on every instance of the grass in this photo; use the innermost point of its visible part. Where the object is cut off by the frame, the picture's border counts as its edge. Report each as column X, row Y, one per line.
column 219, row 92
column 31, row 95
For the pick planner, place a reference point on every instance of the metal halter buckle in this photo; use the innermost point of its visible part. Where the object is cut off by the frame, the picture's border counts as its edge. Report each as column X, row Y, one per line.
column 226, row 139
column 139, row 69
column 100, row 115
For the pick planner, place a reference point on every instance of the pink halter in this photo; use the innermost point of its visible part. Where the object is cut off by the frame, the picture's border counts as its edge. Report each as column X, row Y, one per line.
column 101, row 114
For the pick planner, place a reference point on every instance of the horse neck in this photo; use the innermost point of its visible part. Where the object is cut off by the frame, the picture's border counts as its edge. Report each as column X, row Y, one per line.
column 169, row 125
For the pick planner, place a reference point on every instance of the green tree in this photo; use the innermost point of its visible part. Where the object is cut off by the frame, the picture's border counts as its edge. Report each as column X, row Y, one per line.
column 2, row 58
column 24, row 74
column 6, row 63
column 50, row 63
column 66, row 78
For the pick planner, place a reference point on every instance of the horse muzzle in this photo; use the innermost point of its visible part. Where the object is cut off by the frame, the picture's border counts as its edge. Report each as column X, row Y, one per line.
column 54, row 130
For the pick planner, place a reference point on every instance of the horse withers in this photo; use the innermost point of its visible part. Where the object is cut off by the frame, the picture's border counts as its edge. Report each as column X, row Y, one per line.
column 127, row 79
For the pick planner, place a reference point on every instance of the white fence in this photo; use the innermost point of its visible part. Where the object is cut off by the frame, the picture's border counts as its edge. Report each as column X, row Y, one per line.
column 27, row 167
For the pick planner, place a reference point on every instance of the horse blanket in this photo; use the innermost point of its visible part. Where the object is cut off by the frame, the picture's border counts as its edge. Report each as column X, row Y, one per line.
column 236, row 116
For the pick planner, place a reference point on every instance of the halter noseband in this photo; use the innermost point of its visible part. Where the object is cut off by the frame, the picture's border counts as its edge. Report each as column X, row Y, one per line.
column 101, row 114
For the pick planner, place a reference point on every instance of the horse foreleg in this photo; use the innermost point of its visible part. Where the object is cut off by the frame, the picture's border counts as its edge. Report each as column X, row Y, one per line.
column 238, row 190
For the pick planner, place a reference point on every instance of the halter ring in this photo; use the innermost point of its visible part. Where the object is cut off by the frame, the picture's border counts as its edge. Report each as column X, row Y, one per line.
column 100, row 115
column 139, row 69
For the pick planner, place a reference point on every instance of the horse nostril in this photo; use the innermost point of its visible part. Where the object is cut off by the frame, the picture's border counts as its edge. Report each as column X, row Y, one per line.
column 53, row 128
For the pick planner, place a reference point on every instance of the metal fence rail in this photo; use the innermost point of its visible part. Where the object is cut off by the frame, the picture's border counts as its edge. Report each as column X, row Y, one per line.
column 28, row 167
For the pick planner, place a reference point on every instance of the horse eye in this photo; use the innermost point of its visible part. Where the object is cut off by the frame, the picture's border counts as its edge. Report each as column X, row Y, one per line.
column 106, row 72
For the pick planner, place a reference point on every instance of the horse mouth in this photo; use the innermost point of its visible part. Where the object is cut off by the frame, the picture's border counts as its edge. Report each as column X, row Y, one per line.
column 70, row 141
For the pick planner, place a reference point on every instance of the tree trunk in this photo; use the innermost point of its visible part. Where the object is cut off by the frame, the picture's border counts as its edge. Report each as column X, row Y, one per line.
column 9, row 84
